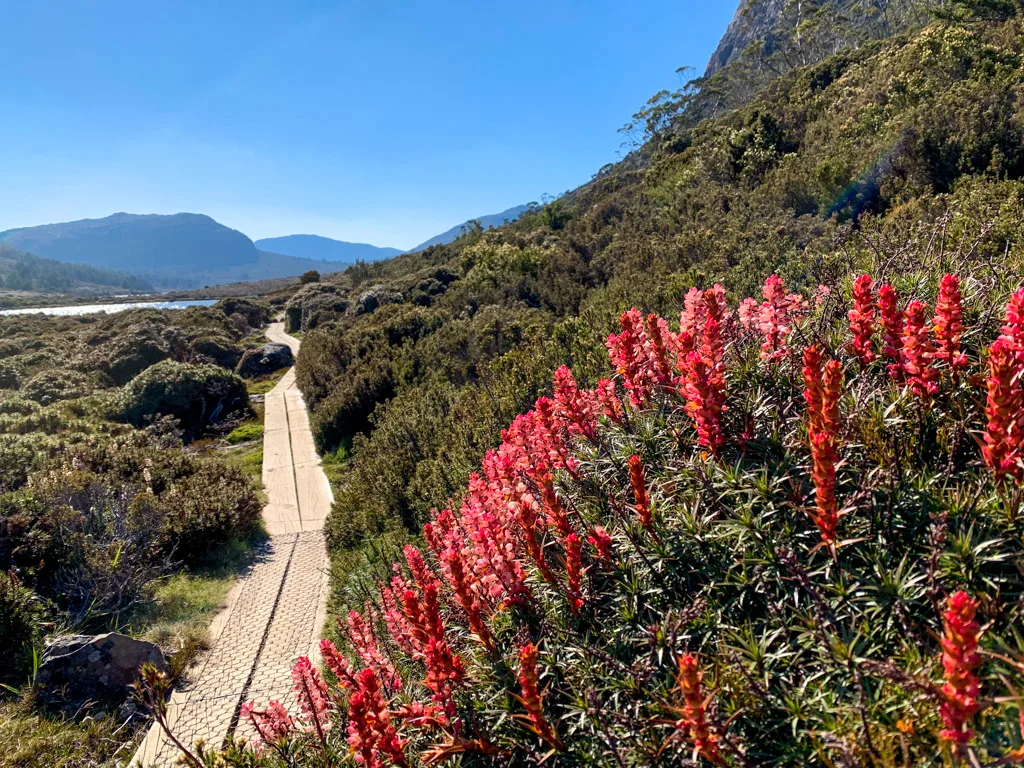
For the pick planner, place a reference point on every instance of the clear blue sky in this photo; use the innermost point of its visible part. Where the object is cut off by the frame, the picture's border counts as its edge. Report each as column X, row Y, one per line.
column 367, row 120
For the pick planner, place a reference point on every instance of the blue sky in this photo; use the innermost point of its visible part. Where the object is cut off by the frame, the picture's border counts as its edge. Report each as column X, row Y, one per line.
column 376, row 121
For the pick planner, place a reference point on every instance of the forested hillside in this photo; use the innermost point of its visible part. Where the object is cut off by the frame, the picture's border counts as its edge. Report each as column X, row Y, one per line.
column 784, row 531
column 896, row 155
column 26, row 272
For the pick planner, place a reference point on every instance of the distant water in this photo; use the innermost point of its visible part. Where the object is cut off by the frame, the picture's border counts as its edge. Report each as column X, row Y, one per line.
column 88, row 309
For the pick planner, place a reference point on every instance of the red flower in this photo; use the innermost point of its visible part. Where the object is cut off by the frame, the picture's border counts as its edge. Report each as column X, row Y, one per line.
column 892, row 330
column 862, row 319
column 661, row 339
column 340, row 667
column 919, row 352
column 273, row 725
column 574, row 570
column 1004, row 434
column 609, row 400
column 959, row 660
column 704, row 401
column 777, row 316
column 1014, row 328
column 532, row 699
column 642, row 502
column 694, row 721
column 822, row 389
column 576, row 409
column 371, row 732
column 602, row 542
column 748, row 312
column 948, row 323
column 313, row 697
column 360, row 635
column 628, row 353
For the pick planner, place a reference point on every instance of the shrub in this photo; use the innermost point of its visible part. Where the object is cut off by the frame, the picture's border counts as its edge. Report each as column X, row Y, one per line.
column 256, row 314
column 55, row 385
column 21, row 614
column 198, row 396
column 312, row 276
column 218, row 350
column 9, row 378
column 621, row 584
column 213, row 505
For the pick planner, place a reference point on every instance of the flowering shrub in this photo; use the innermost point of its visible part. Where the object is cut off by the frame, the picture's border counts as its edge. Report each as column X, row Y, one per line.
column 616, row 588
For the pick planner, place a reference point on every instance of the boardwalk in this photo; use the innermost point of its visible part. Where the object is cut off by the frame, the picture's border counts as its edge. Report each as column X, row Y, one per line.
column 275, row 613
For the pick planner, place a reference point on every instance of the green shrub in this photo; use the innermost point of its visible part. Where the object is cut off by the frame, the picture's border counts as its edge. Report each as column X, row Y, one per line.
column 213, row 505
column 198, row 396
column 21, row 615
column 244, row 434
column 55, row 385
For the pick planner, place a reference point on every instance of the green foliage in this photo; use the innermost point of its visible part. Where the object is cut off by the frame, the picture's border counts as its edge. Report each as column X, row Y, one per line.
column 244, row 433
column 312, row 276
column 198, row 396
column 21, row 613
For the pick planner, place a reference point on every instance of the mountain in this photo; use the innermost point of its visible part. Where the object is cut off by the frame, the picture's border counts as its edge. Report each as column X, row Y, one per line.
column 21, row 271
column 139, row 243
column 797, row 34
column 183, row 250
column 493, row 220
column 325, row 249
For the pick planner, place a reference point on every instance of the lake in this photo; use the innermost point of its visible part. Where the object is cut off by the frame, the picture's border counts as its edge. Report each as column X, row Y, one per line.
column 88, row 309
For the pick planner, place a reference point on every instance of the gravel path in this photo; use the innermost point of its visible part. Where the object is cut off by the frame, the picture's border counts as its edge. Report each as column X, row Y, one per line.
column 276, row 611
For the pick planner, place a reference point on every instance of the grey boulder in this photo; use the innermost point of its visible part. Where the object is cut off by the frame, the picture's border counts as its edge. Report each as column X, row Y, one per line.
column 79, row 668
column 266, row 359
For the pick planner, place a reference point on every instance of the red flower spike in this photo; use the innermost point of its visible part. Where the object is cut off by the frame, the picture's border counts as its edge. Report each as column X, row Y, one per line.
column 312, row 695
column 602, row 542
column 360, row 635
column 1003, row 441
column 371, row 732
column 959, row 660
column 340, row 667
column 628, row 353
column 892, row 330
column 660, row 339
column 273, row 725
column 531, row 697
column 822, row 390
column 862, row 319
column 948, row 323
column 609, row 400
column 574, row 570
column 1014, row 328
column 703, row 390
column 576, row 409
column 642, row 502
column 694, row 720
column 776, row 317
column 919, row 353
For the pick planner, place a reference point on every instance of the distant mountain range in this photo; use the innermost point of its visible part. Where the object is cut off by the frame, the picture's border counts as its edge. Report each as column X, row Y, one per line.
column 494, row 220
column 325, row 249
column 190, row 250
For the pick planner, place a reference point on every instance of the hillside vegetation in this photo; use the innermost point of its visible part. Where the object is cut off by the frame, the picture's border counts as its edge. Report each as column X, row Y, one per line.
column 784, row 531
column 112, row 516
column 787, row 534
column 25, row 272
column 894, row 156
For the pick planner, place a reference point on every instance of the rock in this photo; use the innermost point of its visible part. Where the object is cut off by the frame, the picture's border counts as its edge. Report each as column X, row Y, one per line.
column 80, row 668
column 266, row 359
